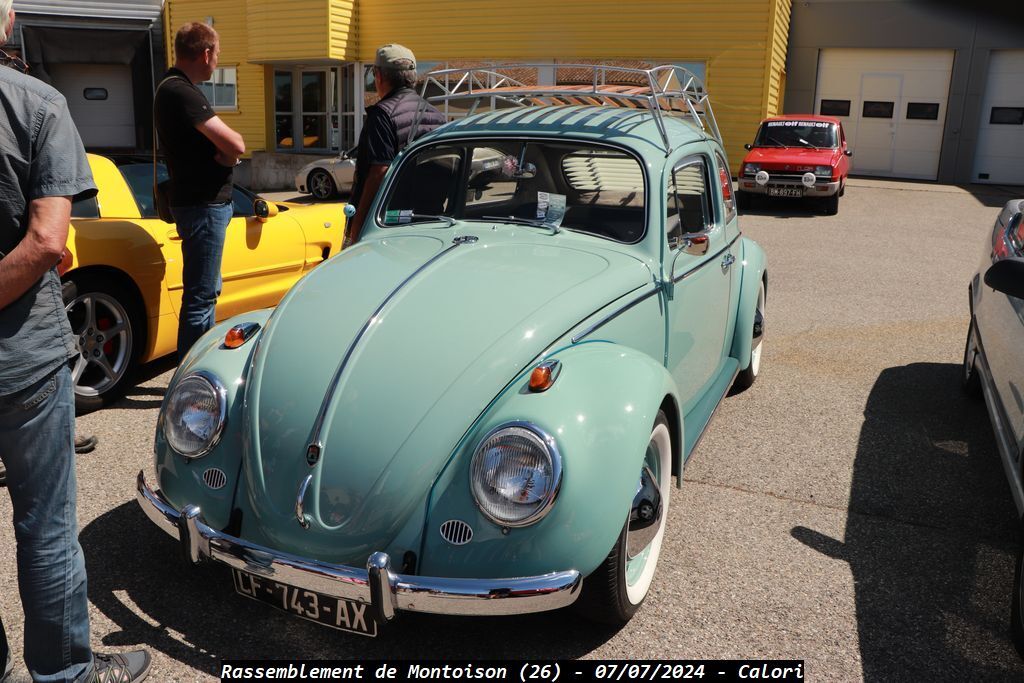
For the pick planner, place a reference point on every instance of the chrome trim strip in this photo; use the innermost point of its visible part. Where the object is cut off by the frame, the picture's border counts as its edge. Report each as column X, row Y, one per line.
column 619, row 311
column 321, row 415
column 556, row 472
column 375, row 585
column 614, row 314
column 708, row 259
column 300, row 502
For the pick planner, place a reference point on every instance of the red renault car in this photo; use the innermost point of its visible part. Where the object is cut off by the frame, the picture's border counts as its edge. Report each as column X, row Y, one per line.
column 797, row 155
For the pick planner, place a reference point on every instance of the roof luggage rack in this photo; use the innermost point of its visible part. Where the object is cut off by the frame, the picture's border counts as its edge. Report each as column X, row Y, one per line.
column 666, row 90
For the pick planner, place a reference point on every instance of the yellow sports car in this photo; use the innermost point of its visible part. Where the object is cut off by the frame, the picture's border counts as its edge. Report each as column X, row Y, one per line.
column 122, row 270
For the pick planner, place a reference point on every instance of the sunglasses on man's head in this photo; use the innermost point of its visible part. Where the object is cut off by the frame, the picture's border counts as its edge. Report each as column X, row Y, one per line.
column 16, row 63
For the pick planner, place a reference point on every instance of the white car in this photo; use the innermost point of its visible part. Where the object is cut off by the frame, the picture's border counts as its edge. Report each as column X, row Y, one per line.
column 992, row 362
column 326, row 178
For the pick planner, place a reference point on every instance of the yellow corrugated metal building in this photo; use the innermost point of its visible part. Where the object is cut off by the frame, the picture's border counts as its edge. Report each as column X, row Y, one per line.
column 292, row 76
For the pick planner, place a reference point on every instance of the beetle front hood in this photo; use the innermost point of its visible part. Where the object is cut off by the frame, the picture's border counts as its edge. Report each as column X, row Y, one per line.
column 426, row 333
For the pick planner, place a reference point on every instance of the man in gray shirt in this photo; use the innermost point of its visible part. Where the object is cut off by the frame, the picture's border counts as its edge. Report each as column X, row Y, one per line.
column 43, row 167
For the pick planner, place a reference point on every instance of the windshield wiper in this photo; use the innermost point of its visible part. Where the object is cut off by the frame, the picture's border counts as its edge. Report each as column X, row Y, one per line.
column 523, row 221
column 447, row 219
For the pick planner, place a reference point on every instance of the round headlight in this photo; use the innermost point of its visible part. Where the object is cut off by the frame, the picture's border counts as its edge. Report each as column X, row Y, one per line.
column 193, row 418
column 808, row 179
column 515, row 473
column 761, row 178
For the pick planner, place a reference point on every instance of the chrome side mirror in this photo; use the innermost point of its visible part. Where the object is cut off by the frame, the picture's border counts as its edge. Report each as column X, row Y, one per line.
column 694, row 244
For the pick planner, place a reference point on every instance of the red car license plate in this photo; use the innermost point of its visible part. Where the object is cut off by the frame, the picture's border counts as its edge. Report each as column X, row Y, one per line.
column 785, row 192
column 339, row 613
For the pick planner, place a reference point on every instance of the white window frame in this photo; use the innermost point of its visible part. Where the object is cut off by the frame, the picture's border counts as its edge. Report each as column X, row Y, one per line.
column 332, row 74
column 218, row 80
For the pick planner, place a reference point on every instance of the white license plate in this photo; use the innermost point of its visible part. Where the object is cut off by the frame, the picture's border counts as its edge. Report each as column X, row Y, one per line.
column 785, row 192
column 339, row 613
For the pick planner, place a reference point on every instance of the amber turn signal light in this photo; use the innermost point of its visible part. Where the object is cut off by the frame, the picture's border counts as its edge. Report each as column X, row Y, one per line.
column 544, row 375
column 239, row 334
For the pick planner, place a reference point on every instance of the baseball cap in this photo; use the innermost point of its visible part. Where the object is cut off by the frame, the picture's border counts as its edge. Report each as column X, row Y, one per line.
column 396, row 57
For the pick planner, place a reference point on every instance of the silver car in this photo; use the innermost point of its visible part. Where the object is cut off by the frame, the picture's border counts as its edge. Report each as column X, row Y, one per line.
column 326, row 178
column 994, row 362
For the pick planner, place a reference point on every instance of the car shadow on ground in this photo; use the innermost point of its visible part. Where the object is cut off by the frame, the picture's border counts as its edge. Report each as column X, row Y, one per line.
column 780, row 207
column 191, row 613
column 995, row 196
column 930, row 535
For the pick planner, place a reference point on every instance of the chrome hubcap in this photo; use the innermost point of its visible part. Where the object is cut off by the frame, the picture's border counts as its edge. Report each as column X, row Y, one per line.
column 104, row 339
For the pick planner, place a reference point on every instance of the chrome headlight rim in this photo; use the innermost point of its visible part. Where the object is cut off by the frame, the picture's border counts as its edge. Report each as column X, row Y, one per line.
column 554, row 455
column 221, row 392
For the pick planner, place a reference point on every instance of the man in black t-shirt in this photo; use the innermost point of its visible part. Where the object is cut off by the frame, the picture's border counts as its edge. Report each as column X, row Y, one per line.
column 396, row 120
column 201, row 151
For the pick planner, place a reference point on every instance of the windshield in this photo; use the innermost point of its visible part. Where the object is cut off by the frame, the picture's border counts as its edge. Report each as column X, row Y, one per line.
column 796, row 134
column 564, row 185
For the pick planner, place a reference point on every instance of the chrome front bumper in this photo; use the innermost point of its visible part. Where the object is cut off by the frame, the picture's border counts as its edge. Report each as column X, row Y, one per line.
column 376, row 585
column 747, row 184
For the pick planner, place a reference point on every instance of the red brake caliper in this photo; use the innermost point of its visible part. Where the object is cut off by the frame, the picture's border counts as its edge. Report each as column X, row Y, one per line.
column 106, row 324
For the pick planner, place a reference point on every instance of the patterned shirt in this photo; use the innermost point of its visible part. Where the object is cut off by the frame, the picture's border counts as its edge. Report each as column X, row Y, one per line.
column 41, row 155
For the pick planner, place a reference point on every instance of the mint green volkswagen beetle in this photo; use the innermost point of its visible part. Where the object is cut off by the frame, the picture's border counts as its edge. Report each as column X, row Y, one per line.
column 478, row 409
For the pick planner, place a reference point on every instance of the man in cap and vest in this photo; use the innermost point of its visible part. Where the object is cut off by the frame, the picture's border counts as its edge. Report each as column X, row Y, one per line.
column 389, row 128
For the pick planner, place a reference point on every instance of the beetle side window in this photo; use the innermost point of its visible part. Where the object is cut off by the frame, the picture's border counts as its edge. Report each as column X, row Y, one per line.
column 687, row 206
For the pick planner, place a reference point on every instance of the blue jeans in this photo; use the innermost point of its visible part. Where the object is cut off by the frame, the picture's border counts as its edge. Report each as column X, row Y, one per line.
column 37, row 435
column 202, row 230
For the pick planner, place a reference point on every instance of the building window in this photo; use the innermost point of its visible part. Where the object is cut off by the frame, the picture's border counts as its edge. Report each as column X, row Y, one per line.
column 878, row 110
column 222, row 89
column 834, row 108
column 925, row 111
column 1013, row 116
column 306, row 109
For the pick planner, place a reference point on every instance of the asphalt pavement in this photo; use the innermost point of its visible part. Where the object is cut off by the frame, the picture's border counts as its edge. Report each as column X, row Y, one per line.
column 849, row 509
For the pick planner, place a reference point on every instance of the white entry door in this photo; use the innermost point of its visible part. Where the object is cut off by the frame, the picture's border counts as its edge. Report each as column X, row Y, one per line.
column 100, row 101
column 892, row 104
column 876, row 132
column 997, row 158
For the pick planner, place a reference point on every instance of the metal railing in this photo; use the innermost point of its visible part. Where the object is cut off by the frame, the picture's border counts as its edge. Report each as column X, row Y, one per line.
column 666, row 90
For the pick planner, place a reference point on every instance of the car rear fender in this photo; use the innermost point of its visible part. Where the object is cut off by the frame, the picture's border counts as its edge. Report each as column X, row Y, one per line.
column 182, row 480
column 754, row 271
column 599, row 412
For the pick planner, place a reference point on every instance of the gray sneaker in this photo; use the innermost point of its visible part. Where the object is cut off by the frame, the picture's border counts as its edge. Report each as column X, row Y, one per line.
column 126, row 667
column 85, row 443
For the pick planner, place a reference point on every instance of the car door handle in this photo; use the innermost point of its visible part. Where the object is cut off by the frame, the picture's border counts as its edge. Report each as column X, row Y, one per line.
column 727, row 261
column 173, row 235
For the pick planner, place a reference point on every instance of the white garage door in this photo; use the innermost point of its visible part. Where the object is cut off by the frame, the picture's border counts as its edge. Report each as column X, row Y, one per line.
column 998, row 158
column 892, row 104
column 100, row 99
